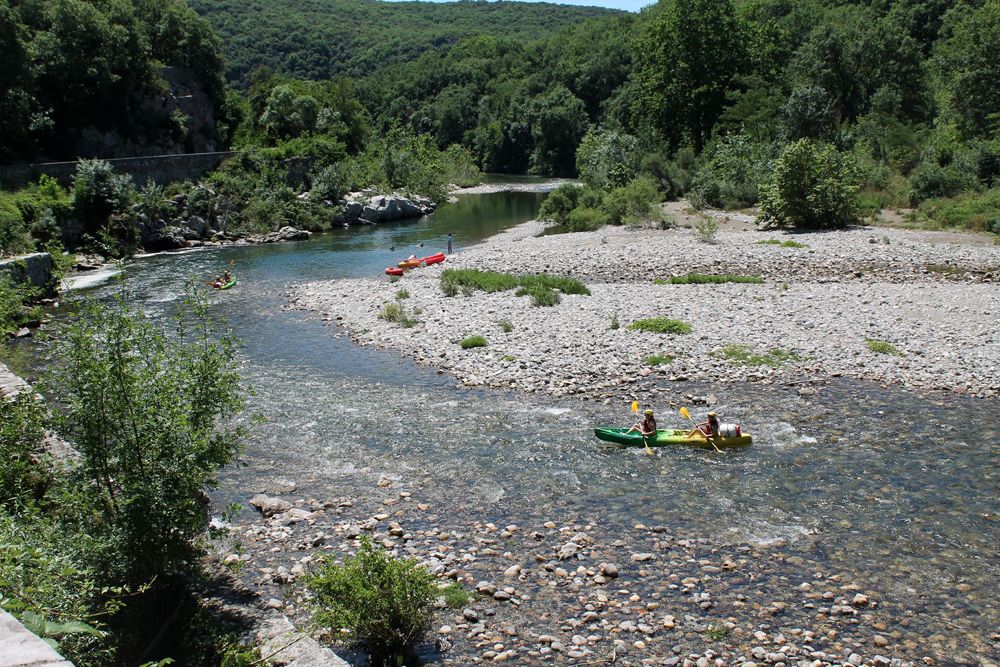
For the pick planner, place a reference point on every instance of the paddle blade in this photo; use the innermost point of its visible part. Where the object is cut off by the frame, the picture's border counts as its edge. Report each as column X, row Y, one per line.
column 685, row 413
column 635, row 407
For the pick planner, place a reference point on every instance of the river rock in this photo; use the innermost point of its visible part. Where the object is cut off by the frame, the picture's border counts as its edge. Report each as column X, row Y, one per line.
column 269, row 506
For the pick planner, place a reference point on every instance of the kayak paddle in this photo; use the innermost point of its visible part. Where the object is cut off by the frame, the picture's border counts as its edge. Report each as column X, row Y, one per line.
column 685, row 413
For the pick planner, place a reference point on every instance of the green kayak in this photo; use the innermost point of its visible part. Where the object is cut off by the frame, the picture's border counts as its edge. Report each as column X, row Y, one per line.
column 665, row 437
column 231, row 283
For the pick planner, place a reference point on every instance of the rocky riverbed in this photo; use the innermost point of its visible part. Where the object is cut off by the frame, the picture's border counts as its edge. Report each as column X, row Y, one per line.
column 820, row 311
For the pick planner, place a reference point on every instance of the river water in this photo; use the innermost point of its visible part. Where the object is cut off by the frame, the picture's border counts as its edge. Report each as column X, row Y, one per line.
column 897, row 491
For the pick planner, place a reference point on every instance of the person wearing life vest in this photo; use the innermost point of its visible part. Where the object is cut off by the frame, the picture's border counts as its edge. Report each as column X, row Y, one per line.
column 708, row 428
column 647, row 427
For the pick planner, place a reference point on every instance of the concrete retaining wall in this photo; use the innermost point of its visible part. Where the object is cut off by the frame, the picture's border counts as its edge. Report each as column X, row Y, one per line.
column 20, row 648
column 162, row 169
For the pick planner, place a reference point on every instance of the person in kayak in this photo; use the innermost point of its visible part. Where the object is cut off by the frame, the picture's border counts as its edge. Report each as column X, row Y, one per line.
column 647, row 427
column 708, row 428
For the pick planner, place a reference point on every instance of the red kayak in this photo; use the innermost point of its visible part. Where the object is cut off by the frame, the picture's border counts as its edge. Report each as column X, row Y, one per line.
column 392, row 271
column 434, row 259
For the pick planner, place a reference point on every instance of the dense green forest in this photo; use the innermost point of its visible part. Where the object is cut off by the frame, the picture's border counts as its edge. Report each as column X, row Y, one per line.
column 73, row 68
column 318, row 39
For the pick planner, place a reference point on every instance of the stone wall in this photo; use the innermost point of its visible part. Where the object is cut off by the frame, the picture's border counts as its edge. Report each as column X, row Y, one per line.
column 35, row 269
column 162, row 169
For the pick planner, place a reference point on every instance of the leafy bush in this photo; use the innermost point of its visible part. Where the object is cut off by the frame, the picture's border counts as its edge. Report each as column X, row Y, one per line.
column 933, row 180
column 151, row 415
column 99, row 193
column 632, row 203
column 558, row 204
column 702, row 279
column 706, row 227
column 882, row 347
column 473, row 341
column 662, row 325
column 586, row 219
column 23, row 473
column 15, row 310
column 972, row 210
column 812, row 187
column 733, row 174
column 742, row 355
column 14, row 236
column 385, row 602
column 607, row 158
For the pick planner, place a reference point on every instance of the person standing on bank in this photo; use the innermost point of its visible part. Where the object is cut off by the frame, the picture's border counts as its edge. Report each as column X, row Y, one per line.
column 449, row 243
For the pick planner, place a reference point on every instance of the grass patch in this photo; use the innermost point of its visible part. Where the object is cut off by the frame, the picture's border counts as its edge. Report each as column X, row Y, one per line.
column 663, row 325
column 742, row 355
column 716, row 632
column 508, row 357
column 783, row 244
column 615, row 324
column 977, row 211
column 541, row 287
column 506, row 326
column 455, row 595
column 703, row 279
column 394, row 312
column 402, row 294
column 882, row 347
column 473, row 341
column 658, row 360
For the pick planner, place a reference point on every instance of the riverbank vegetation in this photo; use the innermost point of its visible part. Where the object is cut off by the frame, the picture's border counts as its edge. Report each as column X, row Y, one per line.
column 99, row 548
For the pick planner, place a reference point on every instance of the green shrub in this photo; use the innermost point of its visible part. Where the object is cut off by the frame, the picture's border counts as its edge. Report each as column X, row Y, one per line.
column 812, row 187
column 506, row 326
column 978, row 211
column 14, row 236
column 742, row 355
column 931, row 180
column 615, row 324
column 882, row 347
column 658, row 360
column 586, row 219
column 783, row 244
column 706, row 228
column 24, row 473
column 454, row 594
column 395, row 312
column 473, row 341
column 607, row 158
column 558, row 204
column 15, row 308
column 702, row 279
column 152, row 416
column 99, row 193
column 385, row 603
column 540, row 295
column 663, row 325
column 453, row 280
column 402, row 294
column 633, row 203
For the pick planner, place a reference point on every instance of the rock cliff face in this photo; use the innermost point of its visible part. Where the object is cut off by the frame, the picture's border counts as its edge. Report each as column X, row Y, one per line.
column 368, row 207
column 180, row 119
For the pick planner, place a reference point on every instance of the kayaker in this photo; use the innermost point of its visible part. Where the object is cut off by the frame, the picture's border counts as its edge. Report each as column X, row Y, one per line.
column 708, row 428
column 647, row 427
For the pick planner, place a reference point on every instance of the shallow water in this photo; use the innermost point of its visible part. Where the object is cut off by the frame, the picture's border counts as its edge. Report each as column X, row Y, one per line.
column 897, row 491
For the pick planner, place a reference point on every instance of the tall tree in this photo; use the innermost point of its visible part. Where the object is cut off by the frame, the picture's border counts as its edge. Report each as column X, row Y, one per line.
column 968, row 63
column 686, row 61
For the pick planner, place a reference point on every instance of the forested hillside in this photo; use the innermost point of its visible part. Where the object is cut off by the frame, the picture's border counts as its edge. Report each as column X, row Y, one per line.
column 322, row 38
column 87, row 76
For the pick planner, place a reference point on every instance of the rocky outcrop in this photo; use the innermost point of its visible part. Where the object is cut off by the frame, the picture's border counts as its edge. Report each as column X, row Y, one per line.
column 369, row 207
column 283, row 234
column 34, row 269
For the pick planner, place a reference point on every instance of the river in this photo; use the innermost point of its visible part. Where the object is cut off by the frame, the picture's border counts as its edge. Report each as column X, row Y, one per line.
column 894, row 490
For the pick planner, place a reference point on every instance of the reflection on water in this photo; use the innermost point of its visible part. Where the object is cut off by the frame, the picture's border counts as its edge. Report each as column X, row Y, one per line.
column 894, row 489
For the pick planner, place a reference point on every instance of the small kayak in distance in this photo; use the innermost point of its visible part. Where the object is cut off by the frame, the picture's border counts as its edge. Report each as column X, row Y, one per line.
column 392, row 271
column 667, row 437
column 409, row 263
column 434, row 259
column 231, row 283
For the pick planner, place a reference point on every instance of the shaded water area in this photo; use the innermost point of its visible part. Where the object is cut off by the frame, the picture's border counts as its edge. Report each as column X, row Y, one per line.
column 897, row 491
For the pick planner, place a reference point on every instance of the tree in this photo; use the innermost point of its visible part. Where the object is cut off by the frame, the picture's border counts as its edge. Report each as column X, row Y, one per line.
column 686, row 61
column 812, row 187
column 558, row 121
column 150, row 414
column 968, row 64
column 607, row 158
